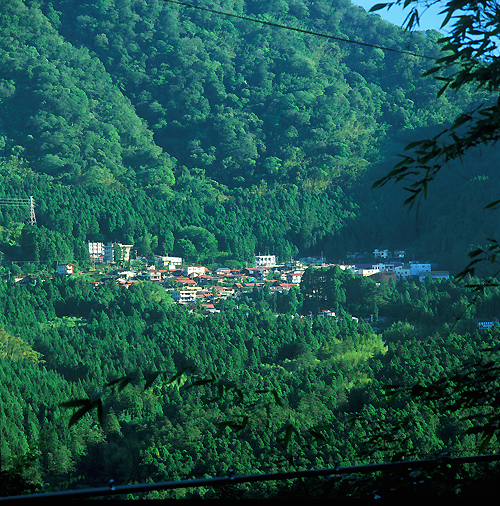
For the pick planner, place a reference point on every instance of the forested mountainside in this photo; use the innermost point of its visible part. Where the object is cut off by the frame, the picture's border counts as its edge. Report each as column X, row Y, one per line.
column 62, row 340
column 159, row 106
column 135, row 93
column 188, row 132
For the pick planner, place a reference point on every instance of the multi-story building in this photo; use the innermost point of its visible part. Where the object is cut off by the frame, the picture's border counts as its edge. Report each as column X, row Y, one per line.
column 184, row 296
column 154, row 276
column 417, row 267
column 194, row 269
column 96, row 251
column 264, row 260
column 99, row 252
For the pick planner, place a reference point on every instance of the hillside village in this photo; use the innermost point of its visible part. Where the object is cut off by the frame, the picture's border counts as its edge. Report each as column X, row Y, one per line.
column 200, row 289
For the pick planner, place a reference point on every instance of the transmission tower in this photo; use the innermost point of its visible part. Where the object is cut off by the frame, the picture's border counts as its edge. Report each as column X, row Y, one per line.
column 5, row 202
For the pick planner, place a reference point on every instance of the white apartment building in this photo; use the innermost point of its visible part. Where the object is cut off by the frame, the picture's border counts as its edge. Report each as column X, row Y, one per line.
column 99, row 252
column 96, row 251
column 194, row 269
column 184, row 296
column 264, row 260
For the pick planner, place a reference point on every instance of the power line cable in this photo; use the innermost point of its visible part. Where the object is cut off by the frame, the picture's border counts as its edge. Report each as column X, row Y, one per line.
column 112, row 489
column 318, row 34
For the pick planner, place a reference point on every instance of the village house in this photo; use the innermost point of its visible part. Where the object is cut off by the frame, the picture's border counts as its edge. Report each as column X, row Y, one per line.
column 316, row 260
column 65, row 269
column 283, row 287
column 186, row 281
column 223, row 292
column 293, row 265
column 326, row 312
column 382, row 253
column 170, row 262
column 294, row 277
column 126, row 274
column 154, row 276
column 254, row 272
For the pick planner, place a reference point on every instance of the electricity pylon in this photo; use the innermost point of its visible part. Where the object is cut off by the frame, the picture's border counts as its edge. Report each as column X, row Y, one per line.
column 22, row 203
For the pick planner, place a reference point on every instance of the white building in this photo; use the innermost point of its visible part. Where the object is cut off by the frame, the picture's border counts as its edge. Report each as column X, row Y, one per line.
column 99, row 252
column 365, row 272
column 96, row 251
column 171, row 262
column 184, row 296
column 264, row 260
column 194, row 269
column 294, row 277
column 402, row 272
column 109, row 252
column 386, row 267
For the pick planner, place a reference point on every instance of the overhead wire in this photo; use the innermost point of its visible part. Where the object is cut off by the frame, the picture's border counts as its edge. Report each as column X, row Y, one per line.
column 300, row 30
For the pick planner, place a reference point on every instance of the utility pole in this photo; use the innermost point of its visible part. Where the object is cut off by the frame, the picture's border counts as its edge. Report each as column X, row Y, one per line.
column 32, row 218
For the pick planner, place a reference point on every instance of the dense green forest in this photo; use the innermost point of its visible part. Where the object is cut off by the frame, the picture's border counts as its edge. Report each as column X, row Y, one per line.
column 211, row 137
column 62, row 340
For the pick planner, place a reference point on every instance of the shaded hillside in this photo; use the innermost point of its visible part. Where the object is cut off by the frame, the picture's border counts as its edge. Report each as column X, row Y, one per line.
column 238, row 100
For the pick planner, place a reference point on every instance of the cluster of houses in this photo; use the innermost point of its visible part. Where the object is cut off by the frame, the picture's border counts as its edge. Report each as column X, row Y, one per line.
column 387, row 264
column 289, row 273
column 196, row 286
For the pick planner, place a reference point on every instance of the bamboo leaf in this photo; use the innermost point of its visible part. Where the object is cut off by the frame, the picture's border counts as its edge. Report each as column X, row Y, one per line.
column 80, row 414
column 378, row 7
column 100, row 414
